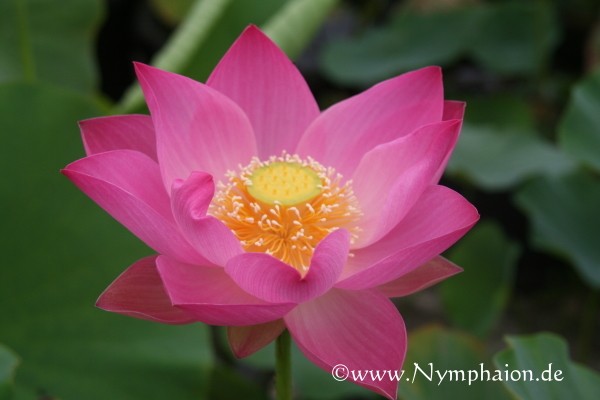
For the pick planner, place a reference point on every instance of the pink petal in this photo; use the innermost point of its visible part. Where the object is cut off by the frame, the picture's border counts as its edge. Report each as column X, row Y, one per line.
column 247, row 340
column 420, row 278
column 394, row 108
column 127, row 185
column 272, row 280
column 209, row 236
column 197, row 128
column 453, row 110
column 361, row 330
column 390, row 178
column 119, row 132
column 438, row 219
column 138, row 292
column 212, row 297
column 260, row 78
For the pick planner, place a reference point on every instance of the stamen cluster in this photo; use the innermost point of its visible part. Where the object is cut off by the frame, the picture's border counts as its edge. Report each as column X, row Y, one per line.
column 287, row 232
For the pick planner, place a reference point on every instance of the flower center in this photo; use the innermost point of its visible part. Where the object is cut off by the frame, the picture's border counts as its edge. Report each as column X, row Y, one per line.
column 285, row 206
column 286, row 183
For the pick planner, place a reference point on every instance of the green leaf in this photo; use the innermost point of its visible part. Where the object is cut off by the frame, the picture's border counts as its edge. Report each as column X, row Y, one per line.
column 522, row 49
column 555, row 376
column 502, row 110
column 565, row 219
column 289, row 23
column 62, row 251
column 294, row 26
column 237, row 16
column 180, row 48
column 212, row 26
column 434, row 349
column 412, row 40
column 8, row 365
column 46, row 41
column 579, row 129
column 172, row 11
column 497, row 159
column 416, row 39
column 476, row 298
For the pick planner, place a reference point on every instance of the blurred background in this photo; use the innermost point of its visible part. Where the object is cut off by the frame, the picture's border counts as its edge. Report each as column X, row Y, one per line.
column 528, row 158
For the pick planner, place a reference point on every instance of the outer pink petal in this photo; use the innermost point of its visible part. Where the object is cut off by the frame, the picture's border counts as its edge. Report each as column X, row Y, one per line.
column 394, row 108
column 118, row 132
column 420, row 278
column 390, row 178
column 453, row 110
column 438, row 219
column 272, row 280
column 212, row 297
column 361, row 330
column 260, row 78
column 209, row 236
column 127, row 185
column 138, row 292
column 197, row 128
column 247, row 340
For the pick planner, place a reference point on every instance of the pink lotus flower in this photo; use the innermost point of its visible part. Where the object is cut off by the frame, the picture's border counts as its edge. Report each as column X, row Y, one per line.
column 267, row 214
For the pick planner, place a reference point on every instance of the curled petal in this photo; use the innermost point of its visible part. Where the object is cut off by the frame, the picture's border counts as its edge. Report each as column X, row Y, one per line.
column 342, row 134
column 190, row 201
column 138, row 292
column 247, row 340
column 260, row 78
column 438, row 219
column 212, row 297
column 453, row 110
column 391, row 178
column 426, row 275
column 272, row 280
column 119, row 132
column 361, row 330
column 127, row 185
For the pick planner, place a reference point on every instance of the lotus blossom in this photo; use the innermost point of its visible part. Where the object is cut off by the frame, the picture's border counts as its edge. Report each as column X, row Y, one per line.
column 267, row 214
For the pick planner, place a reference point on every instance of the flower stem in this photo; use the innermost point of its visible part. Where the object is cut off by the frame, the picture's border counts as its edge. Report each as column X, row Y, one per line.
column 283, row 367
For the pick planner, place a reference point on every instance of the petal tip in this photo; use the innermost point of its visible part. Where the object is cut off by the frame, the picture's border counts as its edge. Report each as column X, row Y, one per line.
column 433, row 70
column 252, row 37
column 68, row 170
column 143, row 71
column 100, row 303
column 103, row 303
column 429, row 73
column 253, row 30
column 457, row 271
column 140, row 66
column 82, row 123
